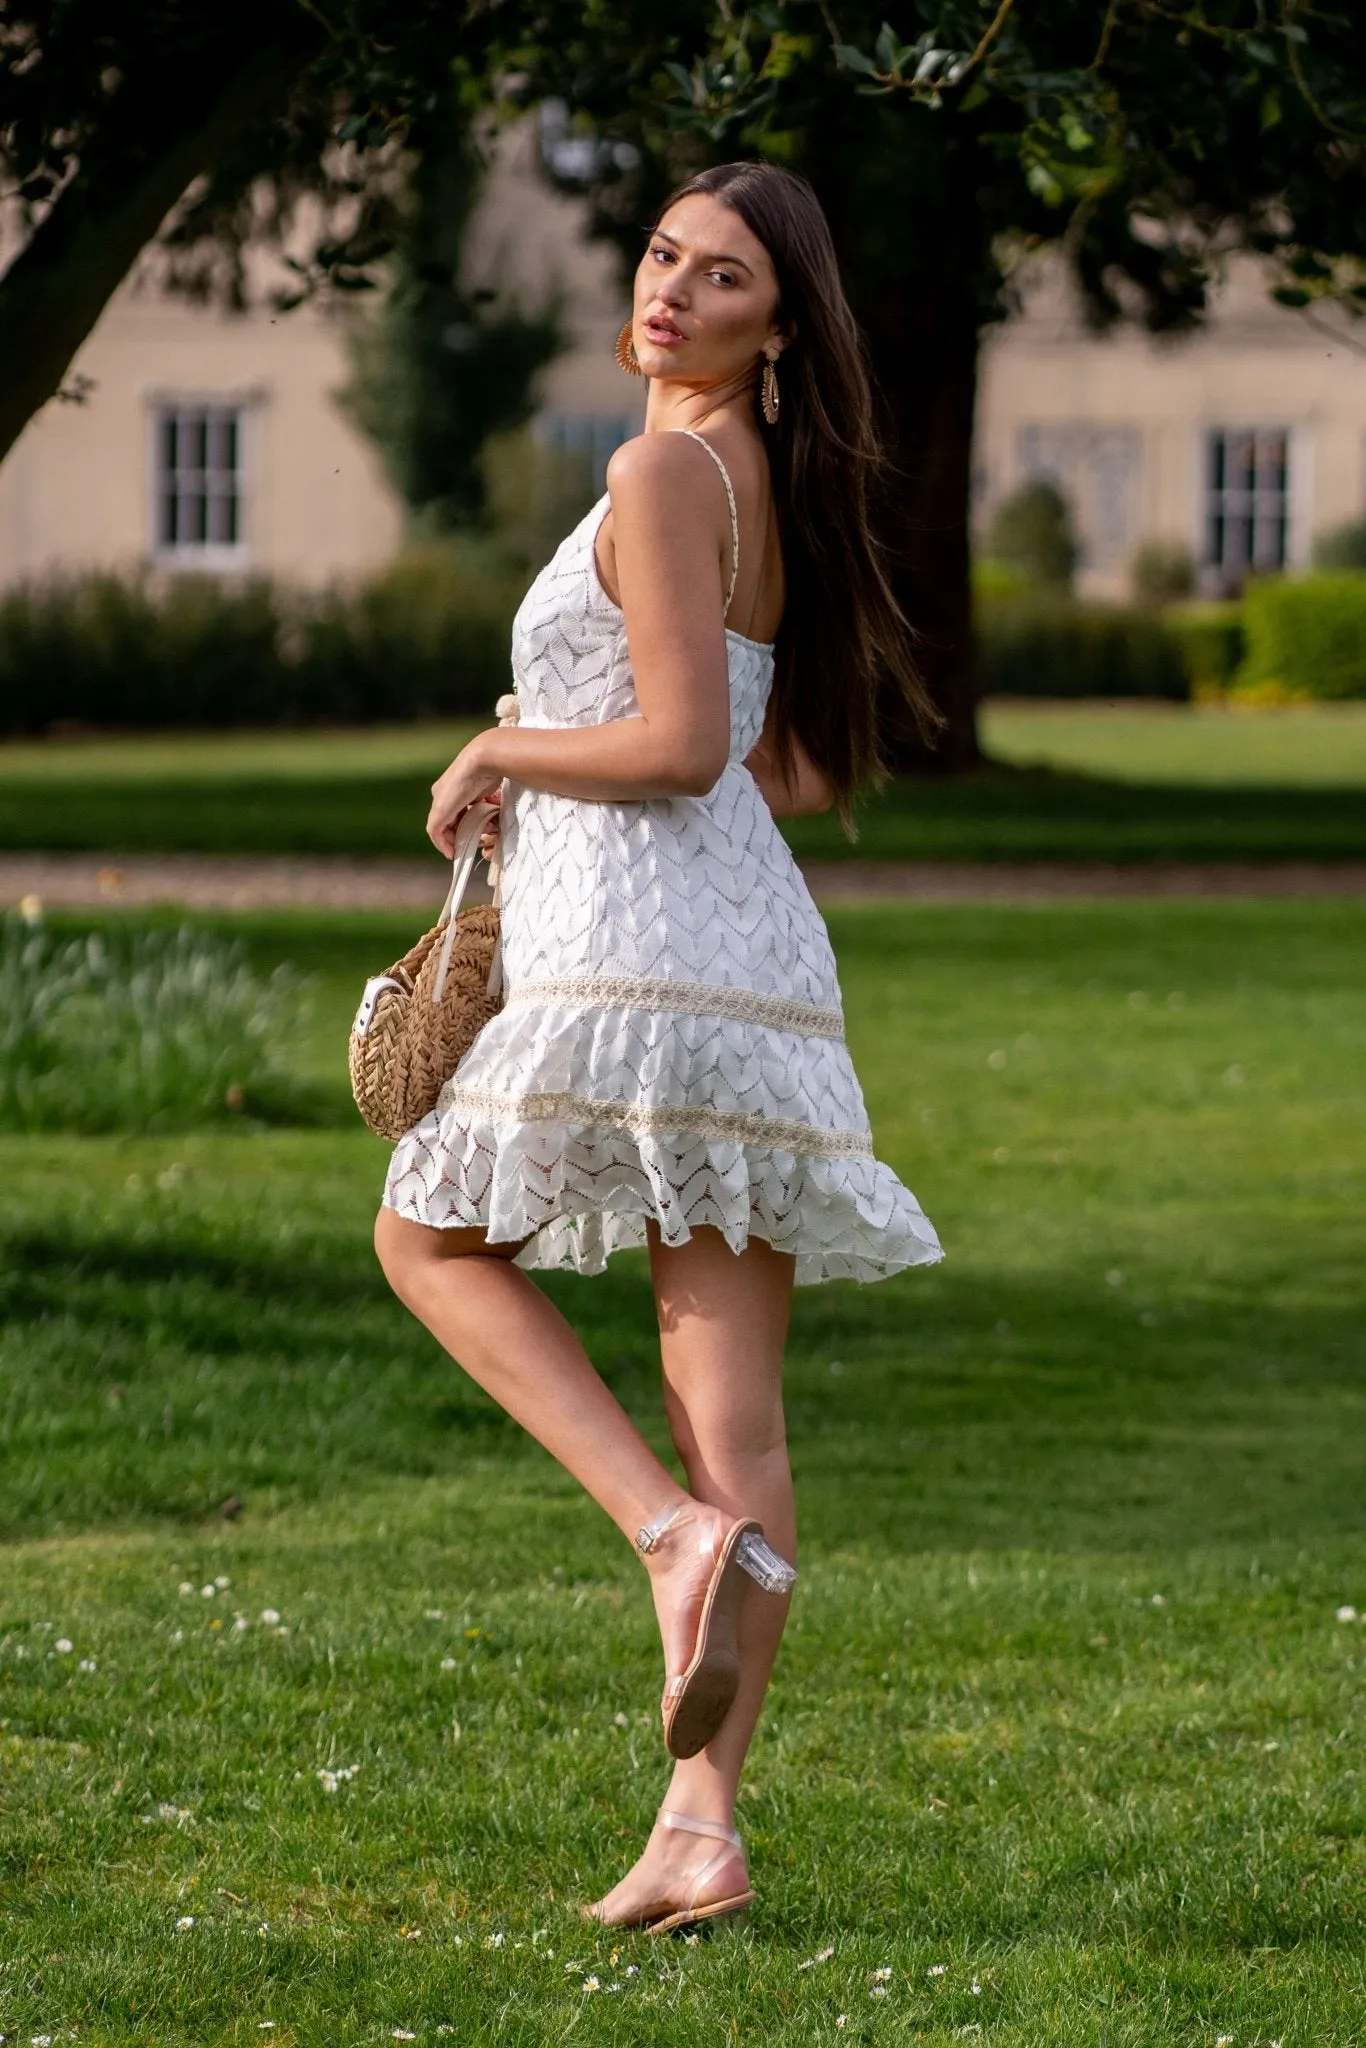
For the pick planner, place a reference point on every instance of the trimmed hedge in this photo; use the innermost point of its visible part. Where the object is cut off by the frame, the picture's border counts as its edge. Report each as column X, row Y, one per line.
column 428, row 637
column 1211, row 640
column 1306, row 636
column 1043, row 647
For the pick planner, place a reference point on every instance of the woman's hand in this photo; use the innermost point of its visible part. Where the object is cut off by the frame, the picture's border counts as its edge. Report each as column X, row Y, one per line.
column 800, row 790
column 470, row 776
column 488, row 838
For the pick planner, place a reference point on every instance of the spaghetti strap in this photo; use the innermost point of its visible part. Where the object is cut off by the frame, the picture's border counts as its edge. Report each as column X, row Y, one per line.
column 703, row 442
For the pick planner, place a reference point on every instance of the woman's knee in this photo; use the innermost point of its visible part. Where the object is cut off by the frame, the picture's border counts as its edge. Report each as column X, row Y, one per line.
column 720, row 1431
column 394, row 1249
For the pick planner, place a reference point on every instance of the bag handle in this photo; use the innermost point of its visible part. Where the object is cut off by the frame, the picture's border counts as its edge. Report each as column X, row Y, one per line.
column 466, row 853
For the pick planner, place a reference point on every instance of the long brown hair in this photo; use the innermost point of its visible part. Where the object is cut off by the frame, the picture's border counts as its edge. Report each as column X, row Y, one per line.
column 844, row 637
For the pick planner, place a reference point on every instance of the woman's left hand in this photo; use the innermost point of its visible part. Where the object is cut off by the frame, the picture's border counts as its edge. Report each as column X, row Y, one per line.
column 470, row 776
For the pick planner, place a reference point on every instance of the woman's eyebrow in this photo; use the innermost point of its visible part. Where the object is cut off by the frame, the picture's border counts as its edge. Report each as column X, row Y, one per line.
column 739, row 261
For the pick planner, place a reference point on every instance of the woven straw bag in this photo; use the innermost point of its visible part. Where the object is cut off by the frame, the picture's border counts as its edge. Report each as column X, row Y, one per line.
column 416, row 1023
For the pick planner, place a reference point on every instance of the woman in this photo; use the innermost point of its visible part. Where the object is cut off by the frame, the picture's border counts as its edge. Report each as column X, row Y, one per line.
column 701, row 655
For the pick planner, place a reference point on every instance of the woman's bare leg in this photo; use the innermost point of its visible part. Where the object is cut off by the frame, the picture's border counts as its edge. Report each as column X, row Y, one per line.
column 723, row 1327
column 498, row 1325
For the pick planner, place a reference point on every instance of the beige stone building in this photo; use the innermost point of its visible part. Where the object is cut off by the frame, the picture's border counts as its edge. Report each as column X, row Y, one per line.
column 214, row 442
column 1242, row 441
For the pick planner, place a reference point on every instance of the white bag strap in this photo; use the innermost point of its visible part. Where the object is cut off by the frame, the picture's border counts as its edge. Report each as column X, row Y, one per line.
column 466, row 853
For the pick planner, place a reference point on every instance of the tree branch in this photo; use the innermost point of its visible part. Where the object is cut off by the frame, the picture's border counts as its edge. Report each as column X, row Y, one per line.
column 57, row 287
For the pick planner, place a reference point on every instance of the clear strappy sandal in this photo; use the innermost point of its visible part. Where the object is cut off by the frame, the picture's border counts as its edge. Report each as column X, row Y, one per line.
column 692, row 1914
column 696, row 1700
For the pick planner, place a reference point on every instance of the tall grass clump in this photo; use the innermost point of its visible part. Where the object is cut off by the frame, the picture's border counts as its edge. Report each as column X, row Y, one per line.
column 136, row 1030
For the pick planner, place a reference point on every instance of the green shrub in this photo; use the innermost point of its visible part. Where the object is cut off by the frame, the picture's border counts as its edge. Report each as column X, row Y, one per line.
column 1307, row 635
column 1058, row 648
column 426, row 636
column 1342, row 547
column 1031, row 531
column 1211, row 640
column 993, row 580
column 135, row 1030
column 1163, row 572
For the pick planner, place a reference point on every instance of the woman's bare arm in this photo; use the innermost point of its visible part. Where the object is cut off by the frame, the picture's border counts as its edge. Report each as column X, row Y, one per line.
column 671, row 535
column 796, row 791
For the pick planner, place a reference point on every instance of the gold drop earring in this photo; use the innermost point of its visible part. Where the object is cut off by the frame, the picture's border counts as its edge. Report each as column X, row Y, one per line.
column 627, row 358
column 768, row 389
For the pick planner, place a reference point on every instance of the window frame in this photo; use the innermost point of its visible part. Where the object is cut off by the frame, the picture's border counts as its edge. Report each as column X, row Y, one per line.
column 211, row 556
column 1256, row 505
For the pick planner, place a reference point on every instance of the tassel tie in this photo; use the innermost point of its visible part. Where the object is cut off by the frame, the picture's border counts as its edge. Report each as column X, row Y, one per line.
column 509, row 713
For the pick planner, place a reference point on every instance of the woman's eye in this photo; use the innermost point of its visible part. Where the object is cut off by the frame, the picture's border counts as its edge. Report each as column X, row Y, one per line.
column 723, row 276
column 664, row 255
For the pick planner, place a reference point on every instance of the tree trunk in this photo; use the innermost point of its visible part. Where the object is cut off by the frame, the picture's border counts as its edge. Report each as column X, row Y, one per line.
column 925, row 358
column 57, row 287
column 900, row 189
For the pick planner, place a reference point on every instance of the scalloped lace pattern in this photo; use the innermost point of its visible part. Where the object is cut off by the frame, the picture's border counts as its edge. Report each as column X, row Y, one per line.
column 672, row 1046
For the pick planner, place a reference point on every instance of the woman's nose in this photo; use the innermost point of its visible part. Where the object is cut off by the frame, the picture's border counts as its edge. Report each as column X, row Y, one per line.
column 672, row 289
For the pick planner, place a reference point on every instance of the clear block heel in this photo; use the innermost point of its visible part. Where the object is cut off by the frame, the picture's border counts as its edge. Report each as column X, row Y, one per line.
column 764, row 1565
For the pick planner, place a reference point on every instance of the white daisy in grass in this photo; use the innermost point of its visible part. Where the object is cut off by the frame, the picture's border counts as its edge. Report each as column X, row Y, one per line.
column 402, row 2034
column 591, row 1984
column 448, row 1663
column 841, row 2019
column 208, row 1592
column 222, row 1582
column 435, row 1614
column 63, row 1646
column 821, row 1956
column 270, row 1616
column 1346, row 1614
column 878, row 1991
column 937, row 1970
column 184, row 1923
column 87, row 1664
column 883, row 1975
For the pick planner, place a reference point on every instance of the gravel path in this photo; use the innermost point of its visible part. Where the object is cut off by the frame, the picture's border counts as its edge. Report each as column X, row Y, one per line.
column 258, row 882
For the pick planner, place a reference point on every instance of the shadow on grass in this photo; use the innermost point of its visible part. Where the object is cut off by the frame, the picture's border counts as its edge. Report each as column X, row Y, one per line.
column 944, row 1410
column 1000, row 814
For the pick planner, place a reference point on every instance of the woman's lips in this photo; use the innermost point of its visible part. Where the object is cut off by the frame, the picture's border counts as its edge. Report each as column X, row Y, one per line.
column 661, row 330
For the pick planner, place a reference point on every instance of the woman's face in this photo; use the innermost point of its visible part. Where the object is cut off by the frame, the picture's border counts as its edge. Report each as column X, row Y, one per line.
column 706, row 297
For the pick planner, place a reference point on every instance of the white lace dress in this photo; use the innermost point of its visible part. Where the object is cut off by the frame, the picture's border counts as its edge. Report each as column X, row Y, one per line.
column 672, row 1042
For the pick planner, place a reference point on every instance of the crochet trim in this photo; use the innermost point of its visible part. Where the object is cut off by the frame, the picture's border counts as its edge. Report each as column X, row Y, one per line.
column 681, row 998
column 769, row 1133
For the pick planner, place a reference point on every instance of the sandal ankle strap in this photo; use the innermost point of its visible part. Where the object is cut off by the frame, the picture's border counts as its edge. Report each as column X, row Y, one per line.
column 648, row 1537
column 689, row 1824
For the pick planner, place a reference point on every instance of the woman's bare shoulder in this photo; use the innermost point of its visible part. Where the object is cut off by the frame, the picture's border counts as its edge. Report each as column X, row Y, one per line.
column 648, row 460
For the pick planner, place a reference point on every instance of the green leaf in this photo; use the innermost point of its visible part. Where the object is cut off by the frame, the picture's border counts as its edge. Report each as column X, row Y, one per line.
column 887, row 48
column 1271, row 109
column 854, row 60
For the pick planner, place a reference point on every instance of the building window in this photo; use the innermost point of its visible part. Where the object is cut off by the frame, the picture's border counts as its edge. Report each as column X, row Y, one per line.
column 1097, row 469
column 198, row 483
column 1247, row 500
column 588, row 439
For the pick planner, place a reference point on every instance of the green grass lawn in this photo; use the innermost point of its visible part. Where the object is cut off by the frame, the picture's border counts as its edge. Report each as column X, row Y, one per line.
column 1079, row 782
column 1065, row 1735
